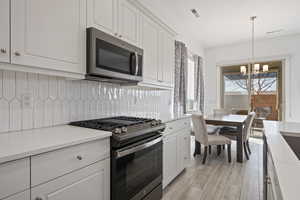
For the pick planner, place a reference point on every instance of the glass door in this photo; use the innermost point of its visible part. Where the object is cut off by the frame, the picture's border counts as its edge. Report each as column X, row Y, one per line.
column 259, row 91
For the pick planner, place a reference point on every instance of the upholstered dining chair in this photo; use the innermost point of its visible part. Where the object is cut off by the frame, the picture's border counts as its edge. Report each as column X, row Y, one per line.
column 248, row 130
column 202, row 136
column 232, row 132
column 211, row 130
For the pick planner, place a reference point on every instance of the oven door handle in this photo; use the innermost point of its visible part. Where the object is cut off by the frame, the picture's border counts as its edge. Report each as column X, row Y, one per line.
column 120, row 154
column 136, row 63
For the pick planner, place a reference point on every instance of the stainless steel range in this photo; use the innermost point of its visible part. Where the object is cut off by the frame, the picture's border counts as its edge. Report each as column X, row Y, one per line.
column 136, row 156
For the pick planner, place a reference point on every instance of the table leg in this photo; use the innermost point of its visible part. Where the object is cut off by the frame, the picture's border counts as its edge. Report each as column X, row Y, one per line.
column 239, row 145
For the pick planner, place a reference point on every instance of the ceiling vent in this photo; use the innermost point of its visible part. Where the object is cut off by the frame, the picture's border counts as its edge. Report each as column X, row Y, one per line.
column 195, row 13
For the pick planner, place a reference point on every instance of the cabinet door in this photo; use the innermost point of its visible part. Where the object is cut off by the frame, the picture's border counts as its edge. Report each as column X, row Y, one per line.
column 21, row 196
column 102, row 14
column 187, row 148
column 150, row 36
column 181, row 151
column 49, row 34
column 92, row 183
column 168, row 58
column 4, row 31
column 169, row 158
column 128, row 22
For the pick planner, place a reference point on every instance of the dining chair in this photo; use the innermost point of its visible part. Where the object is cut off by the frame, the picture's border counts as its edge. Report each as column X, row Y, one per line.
column 248, row 131
column 202, row 136
column 211, row 130
column 232, row 132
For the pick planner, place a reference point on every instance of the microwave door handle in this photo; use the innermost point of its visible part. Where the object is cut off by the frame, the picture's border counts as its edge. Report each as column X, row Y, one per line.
column 120, row 154
column 136, row 63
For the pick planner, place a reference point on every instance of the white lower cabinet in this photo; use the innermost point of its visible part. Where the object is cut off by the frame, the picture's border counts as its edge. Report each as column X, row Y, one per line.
column 72, row 173
column 273, row 188
column 176, row 149
column 91, row 182
column 21, row 196
column 14, row 177
column 169, row 158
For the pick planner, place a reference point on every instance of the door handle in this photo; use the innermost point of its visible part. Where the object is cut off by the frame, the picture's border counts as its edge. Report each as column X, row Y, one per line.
column 136, row 63
column 120, row 154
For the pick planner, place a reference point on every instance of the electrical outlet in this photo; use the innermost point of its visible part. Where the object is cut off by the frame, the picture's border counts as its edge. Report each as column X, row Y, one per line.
column 27, row 100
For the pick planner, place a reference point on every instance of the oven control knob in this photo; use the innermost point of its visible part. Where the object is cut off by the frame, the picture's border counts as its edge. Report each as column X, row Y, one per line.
column 117, row 131
column 153, row 123
column 124, row 129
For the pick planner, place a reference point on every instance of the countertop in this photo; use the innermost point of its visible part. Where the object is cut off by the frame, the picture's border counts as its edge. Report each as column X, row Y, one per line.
column 21, row 144
column 286, row 163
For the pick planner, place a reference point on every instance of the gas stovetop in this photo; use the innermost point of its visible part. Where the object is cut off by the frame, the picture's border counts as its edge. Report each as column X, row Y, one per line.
column 123, row 128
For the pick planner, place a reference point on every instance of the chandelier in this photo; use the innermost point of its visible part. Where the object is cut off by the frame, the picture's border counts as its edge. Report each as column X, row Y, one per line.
column 255, row 66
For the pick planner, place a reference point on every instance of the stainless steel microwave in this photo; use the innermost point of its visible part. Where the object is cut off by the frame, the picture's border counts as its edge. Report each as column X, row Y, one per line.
column 111, row 59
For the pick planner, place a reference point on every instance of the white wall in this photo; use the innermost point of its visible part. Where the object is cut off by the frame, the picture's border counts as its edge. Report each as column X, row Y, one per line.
column 193, row 45
column 269, row 49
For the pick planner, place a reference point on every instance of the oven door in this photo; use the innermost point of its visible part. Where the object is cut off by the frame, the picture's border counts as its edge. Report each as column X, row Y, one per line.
column 137, row 170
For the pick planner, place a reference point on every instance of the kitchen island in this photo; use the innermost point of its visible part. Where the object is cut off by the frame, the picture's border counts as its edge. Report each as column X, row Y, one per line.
column 282, row 166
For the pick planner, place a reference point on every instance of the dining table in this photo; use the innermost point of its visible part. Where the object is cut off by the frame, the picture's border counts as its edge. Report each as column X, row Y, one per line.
column 231, row 120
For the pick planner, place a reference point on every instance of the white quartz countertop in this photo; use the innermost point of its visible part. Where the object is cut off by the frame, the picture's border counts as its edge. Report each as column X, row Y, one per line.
column 286, row 163
column 17, row 145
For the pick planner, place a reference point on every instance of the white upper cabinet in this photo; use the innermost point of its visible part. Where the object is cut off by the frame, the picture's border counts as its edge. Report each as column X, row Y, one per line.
column 159, row 54
column 150, row 40
column 168, row 58
column 129, row 17
column 116, row 17
column 103, row 14
column 49, row 34
column 4, row 31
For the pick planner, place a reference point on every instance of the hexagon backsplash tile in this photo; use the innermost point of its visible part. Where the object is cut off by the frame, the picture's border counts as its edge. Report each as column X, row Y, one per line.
column 55, row 101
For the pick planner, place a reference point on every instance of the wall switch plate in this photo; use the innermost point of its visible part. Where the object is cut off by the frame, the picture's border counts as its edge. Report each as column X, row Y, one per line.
column 27, row 101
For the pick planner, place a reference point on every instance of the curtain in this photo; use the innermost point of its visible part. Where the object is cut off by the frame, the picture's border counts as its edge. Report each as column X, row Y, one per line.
column 181, row 61
column 199, row 83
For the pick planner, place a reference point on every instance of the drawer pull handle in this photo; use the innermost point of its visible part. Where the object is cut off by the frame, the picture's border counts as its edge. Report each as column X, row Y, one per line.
column 2, row 50
column 17, row 53
column 79, row 157
column 38, row 198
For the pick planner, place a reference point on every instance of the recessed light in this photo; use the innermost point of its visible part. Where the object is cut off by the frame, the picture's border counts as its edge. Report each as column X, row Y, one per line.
column 275, row 31
column 195, row 13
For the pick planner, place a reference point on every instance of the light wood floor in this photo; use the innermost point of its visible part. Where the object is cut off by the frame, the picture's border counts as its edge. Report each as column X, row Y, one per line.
column 219, row 180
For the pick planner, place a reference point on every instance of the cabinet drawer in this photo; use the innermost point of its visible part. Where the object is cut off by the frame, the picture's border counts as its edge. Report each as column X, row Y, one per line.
column 20, row 196
column 63, row 161
column 91, row 183
column 14, row 177
column 177, row 125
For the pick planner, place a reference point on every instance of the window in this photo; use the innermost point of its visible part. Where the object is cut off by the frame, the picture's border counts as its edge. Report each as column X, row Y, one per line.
column 191, row 102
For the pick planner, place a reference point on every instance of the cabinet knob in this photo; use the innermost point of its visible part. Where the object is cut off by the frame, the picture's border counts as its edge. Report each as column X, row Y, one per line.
column 17, row 53
column 3, row 50
column 268, row 180
column 79, row 157
column 120, row 36
column 116, row 34
column 38, row 198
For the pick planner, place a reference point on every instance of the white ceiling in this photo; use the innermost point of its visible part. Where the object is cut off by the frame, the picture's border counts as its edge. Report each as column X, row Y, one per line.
column 227, row 21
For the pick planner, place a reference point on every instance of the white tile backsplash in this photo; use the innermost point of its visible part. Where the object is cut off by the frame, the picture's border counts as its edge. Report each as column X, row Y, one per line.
column 54, row 101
